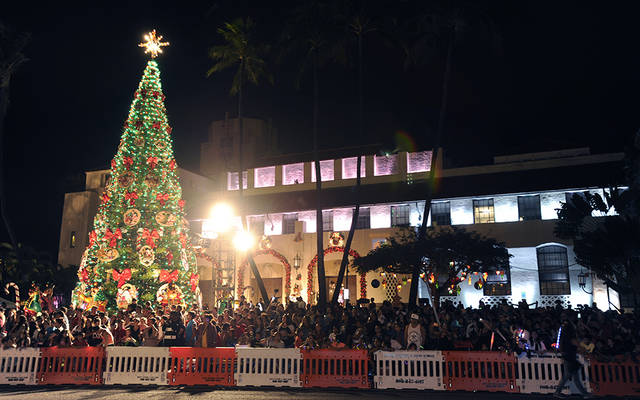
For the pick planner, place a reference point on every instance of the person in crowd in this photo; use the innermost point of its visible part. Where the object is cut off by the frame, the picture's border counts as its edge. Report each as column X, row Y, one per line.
column 414, row 333
column 207, row 333
column 569, row 348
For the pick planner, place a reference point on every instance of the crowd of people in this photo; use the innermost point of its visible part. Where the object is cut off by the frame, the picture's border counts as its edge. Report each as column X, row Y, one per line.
column 387, row 326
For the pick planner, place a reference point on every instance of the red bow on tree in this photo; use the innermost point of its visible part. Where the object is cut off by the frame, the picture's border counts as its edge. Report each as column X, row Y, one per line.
column 92, row 237
column 138, row 123
column 162, row 197
column 152, row 161
column 166, row 276
column 156, row 93
column 169, row 129
column 181, row 204
column 150, row 237
column 194, row 281
column 121, row 277
column 128, row 162
column 84, row 275
column 170, row 258
column 131, row 197
column 105, row 197
column 156, row 125
column 113, row 164
column 172, row 164
column 112, row 237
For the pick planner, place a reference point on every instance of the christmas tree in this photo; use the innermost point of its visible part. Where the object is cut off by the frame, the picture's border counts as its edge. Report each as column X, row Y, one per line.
column 139, row 247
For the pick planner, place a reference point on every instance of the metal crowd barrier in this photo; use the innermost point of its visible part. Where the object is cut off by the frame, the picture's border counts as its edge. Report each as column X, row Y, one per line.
column 430, row 370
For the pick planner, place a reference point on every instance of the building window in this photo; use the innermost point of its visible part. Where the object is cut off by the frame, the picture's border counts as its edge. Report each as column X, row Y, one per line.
column 553, row 270
column 498, row 282
column 327, row 220
column 289, row 223
column 364, row 219
column 385, row 165
column 529, row 208
column 483, row 212
column 441, row 213
column 72, row 239
column 326, row 170
column 400, row 215
column 264, row 177
column 232, row 180
column 418, row 162
column 256, row 225
column 350, row 167
column 292, row 174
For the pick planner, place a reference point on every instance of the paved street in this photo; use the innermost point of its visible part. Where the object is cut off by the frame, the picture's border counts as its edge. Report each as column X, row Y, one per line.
column 112, row 393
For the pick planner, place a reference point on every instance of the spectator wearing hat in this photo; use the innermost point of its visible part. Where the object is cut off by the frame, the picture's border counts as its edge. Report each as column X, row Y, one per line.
column 414, row 333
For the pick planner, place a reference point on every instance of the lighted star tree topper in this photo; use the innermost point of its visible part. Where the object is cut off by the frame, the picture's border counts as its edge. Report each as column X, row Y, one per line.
column 139, row 247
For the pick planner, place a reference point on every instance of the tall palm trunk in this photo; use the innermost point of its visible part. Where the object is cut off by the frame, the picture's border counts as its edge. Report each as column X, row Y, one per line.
column 4, row 103
column 322, row 282
column 413, row 295
column 356, row 211
column 252, row 263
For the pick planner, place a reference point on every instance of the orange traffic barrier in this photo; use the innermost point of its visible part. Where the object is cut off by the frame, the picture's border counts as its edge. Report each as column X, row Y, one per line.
column 71, row 366
column 335, row 368
column 615, row 378
column 202, row 366
column 480, row 370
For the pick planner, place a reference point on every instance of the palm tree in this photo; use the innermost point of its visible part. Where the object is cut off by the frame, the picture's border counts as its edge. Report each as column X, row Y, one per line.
column 242, row 51
column 11, row 57
column 308, row 33
column 357, row 24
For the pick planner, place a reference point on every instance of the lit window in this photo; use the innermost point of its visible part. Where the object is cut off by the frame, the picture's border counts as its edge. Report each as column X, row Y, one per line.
column 418, row 162
column 350, row 167
column 385, row 165
column 529, row 208
column 289, row 223
column 326, row 170
column 265, row 177
column 232, row 180
column 441, row 213
column 364, row 219
column 293, row 174
column 483, row 212
column 498, row 282
column 553, row 270
column 72, row 239
column 327, row 220
column 400, row 215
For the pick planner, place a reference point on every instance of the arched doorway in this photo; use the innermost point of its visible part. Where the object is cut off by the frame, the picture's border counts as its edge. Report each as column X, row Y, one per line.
column 207, row 286
column 240, row 284
column 331, row 250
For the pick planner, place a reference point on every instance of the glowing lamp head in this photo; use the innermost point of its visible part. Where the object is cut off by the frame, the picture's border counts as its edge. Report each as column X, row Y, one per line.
column 221, row 217
column 243, row 240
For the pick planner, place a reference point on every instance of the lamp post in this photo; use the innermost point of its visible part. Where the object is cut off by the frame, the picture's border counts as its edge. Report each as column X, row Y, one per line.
column 582, row 281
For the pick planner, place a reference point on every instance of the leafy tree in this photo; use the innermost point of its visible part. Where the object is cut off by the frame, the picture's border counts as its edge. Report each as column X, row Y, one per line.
column 11, row 57
column 242, row 51
column 445, row 257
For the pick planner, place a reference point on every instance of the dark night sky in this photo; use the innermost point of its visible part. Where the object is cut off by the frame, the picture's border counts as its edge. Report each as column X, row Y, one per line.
column 567, row 75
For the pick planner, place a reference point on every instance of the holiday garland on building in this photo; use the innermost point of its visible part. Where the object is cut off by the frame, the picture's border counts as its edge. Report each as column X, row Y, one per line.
column 139, row 247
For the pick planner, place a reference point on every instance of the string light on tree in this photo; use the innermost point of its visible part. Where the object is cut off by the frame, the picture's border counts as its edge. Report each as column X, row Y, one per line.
column 153, row 44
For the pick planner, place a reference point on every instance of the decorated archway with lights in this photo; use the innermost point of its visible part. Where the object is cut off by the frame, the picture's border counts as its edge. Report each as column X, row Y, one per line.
column 282, row 259
column 331, row 250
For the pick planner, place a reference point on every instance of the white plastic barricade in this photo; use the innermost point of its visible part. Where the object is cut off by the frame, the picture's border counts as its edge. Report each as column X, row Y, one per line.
column 541, row 374
column 409, row 370
column 268, row 367
column 136, row 366
column 19, row 366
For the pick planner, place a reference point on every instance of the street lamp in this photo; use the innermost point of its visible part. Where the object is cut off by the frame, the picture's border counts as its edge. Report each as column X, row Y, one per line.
column 221, row 217
column 296, row 261
column 582, row 281
column 243, row 240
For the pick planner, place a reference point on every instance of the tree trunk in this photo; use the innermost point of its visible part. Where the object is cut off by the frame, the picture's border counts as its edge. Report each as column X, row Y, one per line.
column 322, row 284
column 356, row 211
column 4, row 103
column 436, row 145
column 252, row 263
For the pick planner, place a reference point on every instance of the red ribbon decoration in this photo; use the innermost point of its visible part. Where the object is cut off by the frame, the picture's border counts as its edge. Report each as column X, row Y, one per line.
column 162, row 198
column 183, row 239
column 194, row 281
column 152, row 161
column 92, row 237
column 112, row 237
column 84, row 275
column 131, row 197
column 128, row 162
column 150, row 237
column 169, row 129
column 181, row 203
column 113, row 164
column 156, row 125
column 166, row 276
column 105, row 197
column 172, row 164
column 121, row 277
column 169, row 258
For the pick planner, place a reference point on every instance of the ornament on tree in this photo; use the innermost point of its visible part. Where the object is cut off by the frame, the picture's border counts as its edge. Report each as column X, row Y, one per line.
column 146, row 255
column 131, row 217
column 112, row 237
column 169, row 294
column 195, row 278
column 126, row 294
column 121, row 277
column 139, row 142
column 92, row 238
column 165, row 218
column 152, row 180
column 107, row 254
column 131, row 197
column 168, row 276
column 128, row 162
column 172, row 165
column 181, row 204
column 126, row 179
column 149, row 237
column 152, row 162
column 162, row 198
